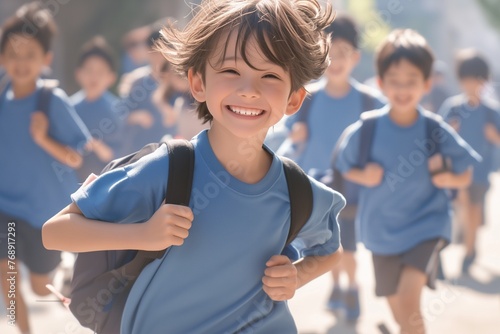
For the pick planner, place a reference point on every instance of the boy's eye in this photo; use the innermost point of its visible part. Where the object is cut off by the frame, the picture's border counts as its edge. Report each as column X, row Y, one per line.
column 230, row 71
column 271, row 76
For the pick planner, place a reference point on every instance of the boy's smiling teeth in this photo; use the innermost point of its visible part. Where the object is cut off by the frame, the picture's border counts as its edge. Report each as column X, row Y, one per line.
column 245, row 111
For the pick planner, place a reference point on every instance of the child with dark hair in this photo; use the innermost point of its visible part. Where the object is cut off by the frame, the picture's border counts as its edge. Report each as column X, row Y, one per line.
column 333, row 105
column 145, row 119
column 404, row 206
column 247, row 63
column 96, row 106
column 477, row 120
column 39, row 150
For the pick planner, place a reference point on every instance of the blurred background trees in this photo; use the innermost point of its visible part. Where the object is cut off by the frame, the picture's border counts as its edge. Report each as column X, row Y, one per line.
column 447, row 24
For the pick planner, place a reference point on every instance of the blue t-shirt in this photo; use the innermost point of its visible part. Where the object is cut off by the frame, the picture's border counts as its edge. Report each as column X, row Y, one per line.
column 216, row 274
column 140, row 98
column 328, row 117
column 472, row 121
column 33, row 185
column 103, row 122
column 406, row 208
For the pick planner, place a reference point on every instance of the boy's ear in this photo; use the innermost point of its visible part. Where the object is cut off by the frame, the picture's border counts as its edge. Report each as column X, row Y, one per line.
column 196, row 85
column 295, row 101
column 49, row 56
column 428, row 84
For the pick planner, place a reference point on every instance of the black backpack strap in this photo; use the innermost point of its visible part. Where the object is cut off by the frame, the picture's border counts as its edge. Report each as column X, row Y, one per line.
column 367, row 134
column 431, row 127
column 180, row 180
column 367, row 99
column 45, row 96
column 301, row 197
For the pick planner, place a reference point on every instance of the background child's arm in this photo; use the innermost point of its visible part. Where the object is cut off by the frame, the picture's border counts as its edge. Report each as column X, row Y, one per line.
column 450, row 180
column 39, row 131
column 282, row 278
column 103, row 151
column 492, row 134
column 370, row 176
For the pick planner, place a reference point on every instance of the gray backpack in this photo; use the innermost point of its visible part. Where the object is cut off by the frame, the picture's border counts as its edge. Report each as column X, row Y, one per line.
column 102, row 280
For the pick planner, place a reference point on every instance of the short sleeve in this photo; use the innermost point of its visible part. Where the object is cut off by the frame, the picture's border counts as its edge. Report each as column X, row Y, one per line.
column 65, row 125
column 347, row 154
column 128, row 194
column 321, row 235
column 454, row 147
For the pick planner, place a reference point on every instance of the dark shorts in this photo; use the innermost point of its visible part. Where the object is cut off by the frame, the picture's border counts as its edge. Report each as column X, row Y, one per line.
column 347, row 235
column 477, row 193
column 26, row 245
column 388, row 268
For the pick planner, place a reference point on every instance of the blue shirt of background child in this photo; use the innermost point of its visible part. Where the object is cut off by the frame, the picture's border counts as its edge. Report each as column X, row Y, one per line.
column 472, row 121
column 33, row 185
column 140, row 98
column 216, row 274
column 103, row 122
column 406, row 208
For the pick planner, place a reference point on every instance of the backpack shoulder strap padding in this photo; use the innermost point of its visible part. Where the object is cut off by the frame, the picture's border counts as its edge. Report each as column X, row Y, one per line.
column 180, row 177
column 46, row 92
column 301, row 197
column 367, row 133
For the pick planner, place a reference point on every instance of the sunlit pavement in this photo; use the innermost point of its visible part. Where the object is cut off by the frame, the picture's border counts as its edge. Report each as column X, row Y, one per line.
column 462, row 305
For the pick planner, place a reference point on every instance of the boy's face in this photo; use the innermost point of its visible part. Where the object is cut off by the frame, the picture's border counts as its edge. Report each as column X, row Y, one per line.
column 243, row 100
column 344, row 58
column 24, row 59
column 95, row 76
column 404, row 85
column 472, row 87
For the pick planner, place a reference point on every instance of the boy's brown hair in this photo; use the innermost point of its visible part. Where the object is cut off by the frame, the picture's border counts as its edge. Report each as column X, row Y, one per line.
column 288, row 32
column 471, row 64
column 97, row 47
column 404, row 44
column 31, row 20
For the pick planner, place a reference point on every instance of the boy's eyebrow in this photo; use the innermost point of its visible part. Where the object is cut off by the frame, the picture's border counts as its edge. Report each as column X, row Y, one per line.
column 234, row 58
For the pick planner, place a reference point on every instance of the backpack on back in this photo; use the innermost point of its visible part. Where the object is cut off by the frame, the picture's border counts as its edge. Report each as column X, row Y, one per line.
column 102, row 280
column 367, row 133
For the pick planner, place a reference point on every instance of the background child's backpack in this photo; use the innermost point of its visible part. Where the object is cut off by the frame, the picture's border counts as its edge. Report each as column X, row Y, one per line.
column 367, row 132
column 44, row 97
column 102, row 280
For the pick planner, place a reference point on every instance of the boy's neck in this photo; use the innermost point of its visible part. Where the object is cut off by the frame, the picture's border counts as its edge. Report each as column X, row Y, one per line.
column 244, row 158
column 23, row 90
column 92, row 96
column 338, row 89
column 473, row 100
column 404, row 117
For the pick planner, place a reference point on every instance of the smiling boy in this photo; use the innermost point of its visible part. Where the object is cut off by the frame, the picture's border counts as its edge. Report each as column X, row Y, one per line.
column 246, row 69
column 404, row 210
column 39, row 151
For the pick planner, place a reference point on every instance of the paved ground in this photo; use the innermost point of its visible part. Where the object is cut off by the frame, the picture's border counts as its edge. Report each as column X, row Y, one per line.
column 462, row 305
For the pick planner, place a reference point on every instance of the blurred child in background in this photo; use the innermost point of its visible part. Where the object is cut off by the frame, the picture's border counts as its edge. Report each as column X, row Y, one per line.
column 404, row 208
column 95, row 105
column 477, row 120
column 39, row 151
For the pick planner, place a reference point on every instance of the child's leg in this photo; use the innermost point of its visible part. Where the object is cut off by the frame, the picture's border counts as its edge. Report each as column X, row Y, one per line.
column 12, row 295
column 407, row 301
column 475, row 206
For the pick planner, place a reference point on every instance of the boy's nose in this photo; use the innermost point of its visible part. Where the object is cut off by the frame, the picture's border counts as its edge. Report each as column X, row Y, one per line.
column 249, row 90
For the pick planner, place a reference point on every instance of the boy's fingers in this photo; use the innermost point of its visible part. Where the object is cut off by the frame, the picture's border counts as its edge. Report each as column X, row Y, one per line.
column 180, row 210
column 274, row 282
column 277, row 260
